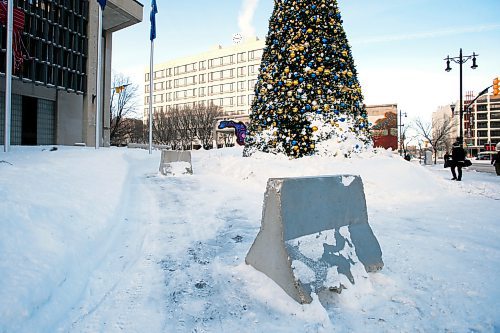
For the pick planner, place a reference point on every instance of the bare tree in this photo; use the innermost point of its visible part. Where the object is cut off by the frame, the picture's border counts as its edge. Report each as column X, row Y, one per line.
column 436, row 133
column 163, row 129
column 123, row 105
column 205, row 120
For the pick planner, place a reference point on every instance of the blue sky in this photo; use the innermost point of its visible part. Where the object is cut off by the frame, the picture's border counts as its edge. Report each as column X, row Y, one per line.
column 398, row 46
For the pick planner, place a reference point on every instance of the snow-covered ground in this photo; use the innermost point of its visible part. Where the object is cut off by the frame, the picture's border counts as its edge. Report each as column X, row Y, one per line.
column 99, row 241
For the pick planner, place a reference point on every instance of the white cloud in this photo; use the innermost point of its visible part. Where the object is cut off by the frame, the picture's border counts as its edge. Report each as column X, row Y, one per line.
column 245, row 17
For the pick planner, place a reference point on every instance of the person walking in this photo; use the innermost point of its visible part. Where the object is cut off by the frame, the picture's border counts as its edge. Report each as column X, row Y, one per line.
column 495, row 159
column 458, row 159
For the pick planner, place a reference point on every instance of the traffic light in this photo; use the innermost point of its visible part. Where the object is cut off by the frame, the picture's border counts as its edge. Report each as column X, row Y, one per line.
column 496, row 88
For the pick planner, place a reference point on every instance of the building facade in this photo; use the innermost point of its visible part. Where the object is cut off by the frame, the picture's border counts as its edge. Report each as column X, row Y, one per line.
column 384, row 125
column 223, row 76
column 54, row 84
column 482, row 124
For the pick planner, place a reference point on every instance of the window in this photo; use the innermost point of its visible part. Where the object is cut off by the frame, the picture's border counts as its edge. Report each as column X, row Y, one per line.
column 251, row 84
column 215, row 76
column 202, row 92
column 227, row 60
column 159, row 74
column 147, row 77
column 483, row 134
column 241, row 57
column 202, row 65
column 176, row 83
column 241, row 100
column 168, row 97
column 202, row 78
column 241, row 71
column 158, row 98
column 241, row 85
column 157, row 86
column 494, row 115
column 495, row 124
column 191, row 67
column 216, row 62
column 227, row 74
column 252, row 69
column 227, row 88
column 254, row 55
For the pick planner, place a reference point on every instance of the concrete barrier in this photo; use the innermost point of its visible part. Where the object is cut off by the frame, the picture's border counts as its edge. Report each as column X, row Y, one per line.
column 314, row 235
column 175, row 162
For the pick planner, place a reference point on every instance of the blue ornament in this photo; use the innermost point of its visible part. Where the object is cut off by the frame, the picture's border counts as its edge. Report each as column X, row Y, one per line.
column 308, row 107
column 342, row 119
column 301, row 79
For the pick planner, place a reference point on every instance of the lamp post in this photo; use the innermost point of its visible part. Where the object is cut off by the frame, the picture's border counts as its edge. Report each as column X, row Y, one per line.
column 400, row 126
column 461, row 59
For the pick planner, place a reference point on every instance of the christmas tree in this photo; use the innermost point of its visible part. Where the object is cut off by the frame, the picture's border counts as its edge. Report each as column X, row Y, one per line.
column 308, row 99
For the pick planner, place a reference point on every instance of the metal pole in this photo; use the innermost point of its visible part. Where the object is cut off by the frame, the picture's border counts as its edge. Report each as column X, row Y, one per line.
column 399, row 132
column 99, row 82
column 151, row 97
column 461, row 102
column 8, row 75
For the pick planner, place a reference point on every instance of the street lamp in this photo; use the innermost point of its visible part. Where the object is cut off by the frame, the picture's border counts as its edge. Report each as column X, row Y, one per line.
column 461, row 59
column 400, row 125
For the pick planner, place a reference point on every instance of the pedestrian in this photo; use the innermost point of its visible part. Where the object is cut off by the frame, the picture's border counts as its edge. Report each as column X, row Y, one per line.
column 458, row 159
column 495, row 159
column 407, row 157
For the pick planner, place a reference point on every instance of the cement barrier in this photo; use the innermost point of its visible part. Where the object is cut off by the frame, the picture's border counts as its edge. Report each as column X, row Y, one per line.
column 314, row 235
column 175, row 162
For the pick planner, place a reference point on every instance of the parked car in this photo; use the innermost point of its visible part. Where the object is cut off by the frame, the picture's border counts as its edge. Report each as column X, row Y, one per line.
column 485, row 155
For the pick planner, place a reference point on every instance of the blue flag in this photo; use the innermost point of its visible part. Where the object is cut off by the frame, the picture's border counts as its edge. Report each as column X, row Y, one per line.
column 152, row 18
column 102, row 3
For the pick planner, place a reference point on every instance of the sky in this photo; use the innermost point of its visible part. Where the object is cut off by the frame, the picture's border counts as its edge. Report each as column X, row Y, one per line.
column 398, row 46
column 97, row 240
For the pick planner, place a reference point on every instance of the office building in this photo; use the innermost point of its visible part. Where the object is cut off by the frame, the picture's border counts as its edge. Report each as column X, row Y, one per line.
column 54, row 84
column 222, row 76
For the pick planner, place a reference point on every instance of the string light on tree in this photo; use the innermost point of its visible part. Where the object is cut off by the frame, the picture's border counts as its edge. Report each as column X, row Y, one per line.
column 307, row 98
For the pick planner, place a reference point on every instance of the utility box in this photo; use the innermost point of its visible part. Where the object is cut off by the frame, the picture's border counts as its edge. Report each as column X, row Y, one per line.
column 428, row 157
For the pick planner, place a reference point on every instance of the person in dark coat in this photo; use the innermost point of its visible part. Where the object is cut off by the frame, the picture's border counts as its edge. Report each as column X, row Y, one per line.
column 495, row 160
column 458, row 159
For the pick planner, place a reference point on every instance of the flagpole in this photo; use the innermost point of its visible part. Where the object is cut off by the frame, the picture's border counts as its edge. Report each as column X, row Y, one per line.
column 8, row 75
column 151, row 97
column 99, row 82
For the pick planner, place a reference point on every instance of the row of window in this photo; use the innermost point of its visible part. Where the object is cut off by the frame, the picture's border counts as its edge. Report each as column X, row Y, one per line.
column 484, row 134
column 210, row 90
column 226, row 74
column 241, row 100
column 492, row 124
column 209, row 64
column 484, row 107
column 167, row 108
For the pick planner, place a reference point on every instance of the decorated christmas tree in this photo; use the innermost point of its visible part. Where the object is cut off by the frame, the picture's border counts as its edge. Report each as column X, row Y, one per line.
column 308, row 99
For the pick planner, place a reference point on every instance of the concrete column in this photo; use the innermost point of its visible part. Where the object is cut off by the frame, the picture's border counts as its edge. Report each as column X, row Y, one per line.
column 89, row 103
